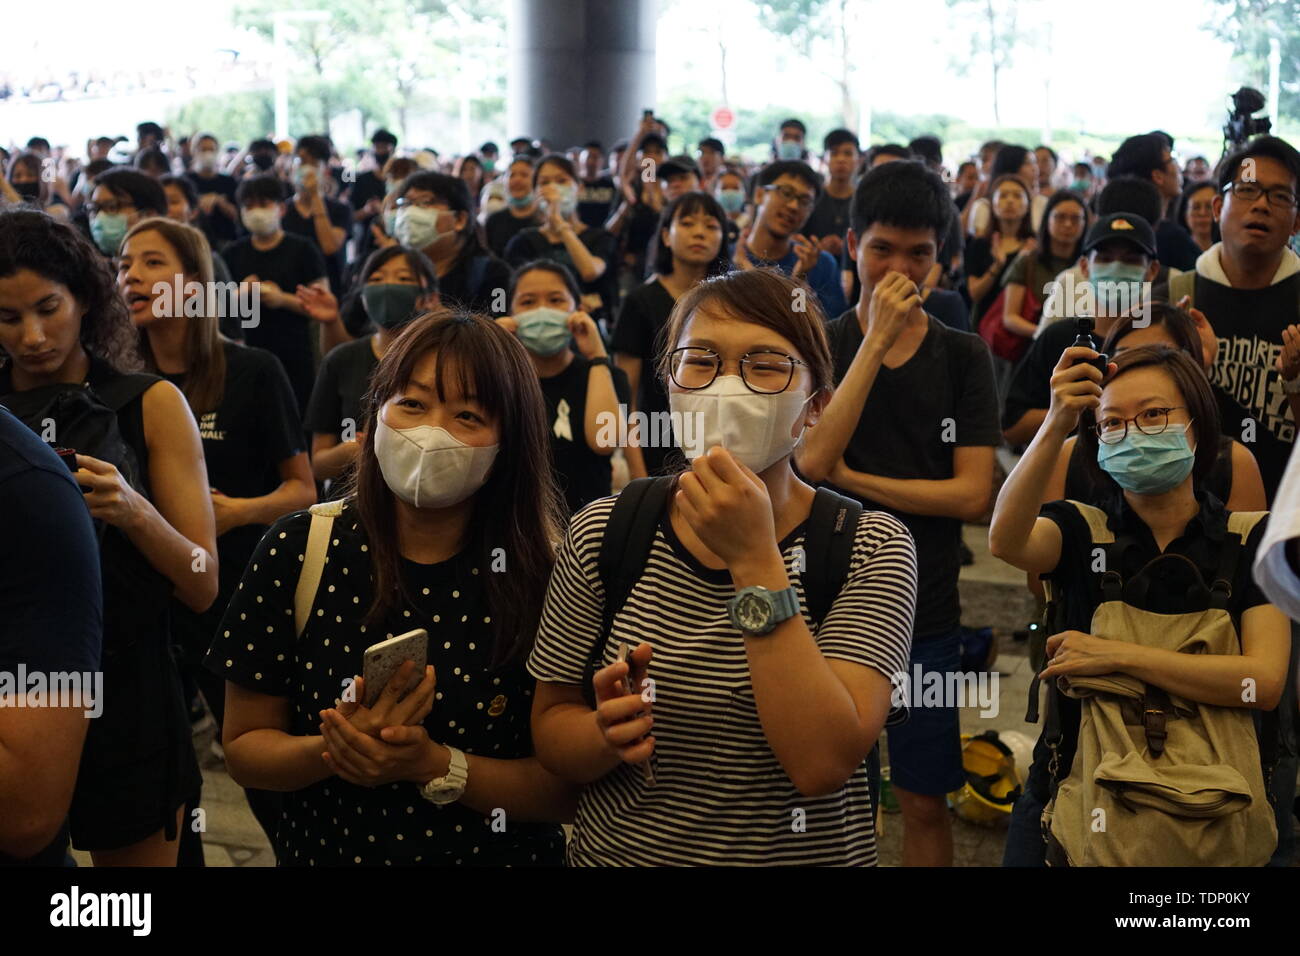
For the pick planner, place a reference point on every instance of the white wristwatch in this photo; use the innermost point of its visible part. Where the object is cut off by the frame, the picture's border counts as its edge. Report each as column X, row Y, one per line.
column 448, row 789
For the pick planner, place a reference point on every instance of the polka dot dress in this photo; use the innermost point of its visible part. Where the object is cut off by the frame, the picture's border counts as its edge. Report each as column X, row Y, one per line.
column 478, row 709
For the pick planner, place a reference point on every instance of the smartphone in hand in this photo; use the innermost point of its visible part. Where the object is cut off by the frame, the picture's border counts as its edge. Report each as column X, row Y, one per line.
column 382, row 661
column 625, row 655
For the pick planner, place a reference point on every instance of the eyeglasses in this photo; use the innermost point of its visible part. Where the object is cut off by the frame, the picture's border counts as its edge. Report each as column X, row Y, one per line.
column 805, row 200
column 1150, row 421
column 110, row 208
column 768, row 373
column 1279, row 197
column 431, row 203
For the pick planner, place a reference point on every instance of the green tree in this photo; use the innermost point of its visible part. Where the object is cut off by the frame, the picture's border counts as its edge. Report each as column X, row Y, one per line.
column 1248, row 25
column 814, row 26
column 995, row 32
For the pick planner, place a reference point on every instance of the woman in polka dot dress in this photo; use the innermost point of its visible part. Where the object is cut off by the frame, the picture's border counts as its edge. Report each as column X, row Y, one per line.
column 450, row 526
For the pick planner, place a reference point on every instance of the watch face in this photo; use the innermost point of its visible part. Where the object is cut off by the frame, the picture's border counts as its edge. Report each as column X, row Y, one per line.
column 753, row 613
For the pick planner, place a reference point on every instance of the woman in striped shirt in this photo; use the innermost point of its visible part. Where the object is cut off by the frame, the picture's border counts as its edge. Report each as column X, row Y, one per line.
column 757, row 740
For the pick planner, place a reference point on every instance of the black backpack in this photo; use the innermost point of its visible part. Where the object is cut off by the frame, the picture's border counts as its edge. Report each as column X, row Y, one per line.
column 84, row 418
column 630, row 532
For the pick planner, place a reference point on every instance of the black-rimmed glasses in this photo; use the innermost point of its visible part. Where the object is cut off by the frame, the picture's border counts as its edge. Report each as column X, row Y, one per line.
column 693, row 367
column 1151, row 421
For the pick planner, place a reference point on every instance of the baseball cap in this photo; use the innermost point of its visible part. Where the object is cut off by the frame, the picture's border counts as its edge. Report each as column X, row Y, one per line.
column 1121, row 225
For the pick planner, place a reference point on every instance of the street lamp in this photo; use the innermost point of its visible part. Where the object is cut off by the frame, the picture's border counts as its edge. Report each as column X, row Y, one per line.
column 278, row 21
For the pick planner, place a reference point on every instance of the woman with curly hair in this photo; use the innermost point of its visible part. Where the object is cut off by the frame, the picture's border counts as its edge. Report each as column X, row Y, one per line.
column 66, row 340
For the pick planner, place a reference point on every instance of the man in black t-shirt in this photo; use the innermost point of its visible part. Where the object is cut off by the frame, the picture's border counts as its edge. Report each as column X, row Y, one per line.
column 279, row 263
column 830, row 217
column 597, row 193
column 322, row 221
column 51, row 622
column 1120, row 240
column 911, row 430
column 218, row 215
column 366, row 195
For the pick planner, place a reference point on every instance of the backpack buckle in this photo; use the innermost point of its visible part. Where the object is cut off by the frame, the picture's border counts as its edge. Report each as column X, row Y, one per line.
column 1153, row 722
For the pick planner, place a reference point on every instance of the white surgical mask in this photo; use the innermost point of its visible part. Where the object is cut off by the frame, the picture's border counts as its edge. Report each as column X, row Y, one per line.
column 264, row 221
column 416, row 226
column 428, row 467
column 756, row 428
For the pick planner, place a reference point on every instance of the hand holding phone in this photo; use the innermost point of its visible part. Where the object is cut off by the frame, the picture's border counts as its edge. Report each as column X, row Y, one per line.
column 633, row 686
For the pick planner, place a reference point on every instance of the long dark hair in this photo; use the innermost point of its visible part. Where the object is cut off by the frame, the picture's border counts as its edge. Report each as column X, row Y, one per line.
column 1044, row 227
column 685, row 205
column 32, row 240
column 518, row 508
column 1179, row 325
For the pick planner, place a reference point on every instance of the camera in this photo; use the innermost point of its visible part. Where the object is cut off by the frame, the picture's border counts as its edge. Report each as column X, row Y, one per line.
column 1241, row 127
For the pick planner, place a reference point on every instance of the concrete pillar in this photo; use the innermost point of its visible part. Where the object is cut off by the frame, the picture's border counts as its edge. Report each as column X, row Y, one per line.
column 579, row 69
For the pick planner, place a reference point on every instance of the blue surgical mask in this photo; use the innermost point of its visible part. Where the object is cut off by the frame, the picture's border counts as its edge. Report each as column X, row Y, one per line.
column 731, row 200
column 543, row 331
column 108, row 229
column 519, row 202
column 390, row 305
column 789, row 149
column 1117, row 282
column 1148, row 464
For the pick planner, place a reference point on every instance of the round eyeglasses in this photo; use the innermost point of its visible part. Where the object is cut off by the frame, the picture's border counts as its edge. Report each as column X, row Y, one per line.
column 1151, row 421
column 693, row 367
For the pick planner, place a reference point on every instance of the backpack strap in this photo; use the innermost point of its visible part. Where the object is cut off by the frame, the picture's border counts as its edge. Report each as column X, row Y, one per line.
column 1183, row 284
column 1240, row 525
column 313, row 562
column 828, row 549
column 118, row 392
column 624, row 550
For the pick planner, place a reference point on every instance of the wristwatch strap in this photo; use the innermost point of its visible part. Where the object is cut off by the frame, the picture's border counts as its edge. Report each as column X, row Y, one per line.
column 448, row 789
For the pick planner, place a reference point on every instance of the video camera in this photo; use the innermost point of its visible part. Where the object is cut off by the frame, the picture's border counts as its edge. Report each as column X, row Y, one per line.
column 1240, row 125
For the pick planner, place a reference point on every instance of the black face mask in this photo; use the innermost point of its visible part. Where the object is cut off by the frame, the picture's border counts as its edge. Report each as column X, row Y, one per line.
column 263, row 162
column 28, row 190
column 381, row 157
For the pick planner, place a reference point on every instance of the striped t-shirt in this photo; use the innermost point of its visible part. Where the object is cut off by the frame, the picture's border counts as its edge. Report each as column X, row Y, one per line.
column 721, row 796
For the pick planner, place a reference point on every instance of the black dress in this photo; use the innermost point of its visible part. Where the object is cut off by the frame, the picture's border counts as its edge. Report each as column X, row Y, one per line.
column 477, row 708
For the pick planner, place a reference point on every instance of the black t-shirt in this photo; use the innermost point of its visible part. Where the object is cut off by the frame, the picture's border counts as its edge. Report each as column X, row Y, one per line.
column 369, row 185
column 830, row 217
column 1248, row 324
column 1078, row 586
column 217, row 226
column 340, row 217
column 583, row 475
column 941, row 398
column 341, row 383
column 477, row 282
column 1175, row 247
column 639, row 332
column 252, row 431
column 478, row 709
column 51, row 601
column 596, row 200
column 1031, row 385
column 292, row 262
column 502, row 226
column 531, row 244
column 978, row 259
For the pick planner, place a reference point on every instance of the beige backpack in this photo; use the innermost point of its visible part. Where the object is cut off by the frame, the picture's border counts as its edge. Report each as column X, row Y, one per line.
column 1158, row 780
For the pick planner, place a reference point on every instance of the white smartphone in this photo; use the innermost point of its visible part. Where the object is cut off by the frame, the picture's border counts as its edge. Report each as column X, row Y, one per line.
column 382, row 661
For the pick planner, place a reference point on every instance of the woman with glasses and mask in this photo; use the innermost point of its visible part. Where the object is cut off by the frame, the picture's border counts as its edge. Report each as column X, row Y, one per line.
column 449, row 527
column 589, row 252
column 586, row 396
column 434, row 213
column 395, row 285
column 121, row 198
column 743, row 735
column 1148, row 431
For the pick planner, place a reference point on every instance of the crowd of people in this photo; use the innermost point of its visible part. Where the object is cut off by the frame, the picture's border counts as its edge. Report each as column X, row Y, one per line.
column 668, row 457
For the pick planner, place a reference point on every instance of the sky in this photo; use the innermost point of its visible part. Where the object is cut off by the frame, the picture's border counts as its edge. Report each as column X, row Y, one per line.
column 1112, row 66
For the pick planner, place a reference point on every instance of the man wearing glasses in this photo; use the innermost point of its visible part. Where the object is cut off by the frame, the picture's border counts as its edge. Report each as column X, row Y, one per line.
column 787, row 192
column 1248, row 287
